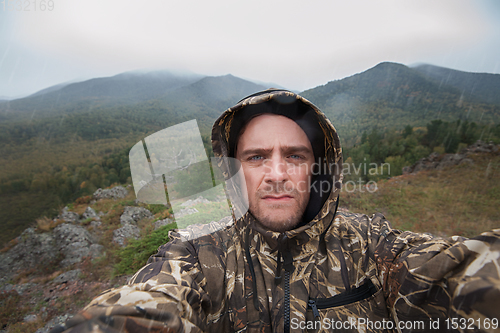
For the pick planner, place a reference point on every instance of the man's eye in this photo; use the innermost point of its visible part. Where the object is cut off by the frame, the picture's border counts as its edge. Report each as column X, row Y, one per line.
column 256, row 158
column 295, row 157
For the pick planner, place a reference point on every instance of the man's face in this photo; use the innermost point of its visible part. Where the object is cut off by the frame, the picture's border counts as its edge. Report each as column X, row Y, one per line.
column 276, row 157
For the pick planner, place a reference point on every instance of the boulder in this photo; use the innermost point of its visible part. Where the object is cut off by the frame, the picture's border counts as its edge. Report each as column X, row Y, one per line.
column 164, row 222
column 70, row 241
column 22, row 288
column 90, row 213
column 32, row 249
column 67, row 216
column 131, row 215
column 120, row 235
column 75, row 243
column 67, row 276
column 117, row 192
column 129, row 218
column 436, row 161
column 480, row 147
column 184, row 212
column 450, row 160
column 30, row 318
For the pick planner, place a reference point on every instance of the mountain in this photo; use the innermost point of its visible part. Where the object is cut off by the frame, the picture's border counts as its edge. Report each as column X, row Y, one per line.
column 394, row 95
column 122, row 89
column 211, row 95
column 203, row 99
column 481, row 87
column 51, row 89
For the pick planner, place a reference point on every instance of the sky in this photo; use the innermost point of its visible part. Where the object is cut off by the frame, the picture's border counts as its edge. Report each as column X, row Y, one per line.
column 295, row 44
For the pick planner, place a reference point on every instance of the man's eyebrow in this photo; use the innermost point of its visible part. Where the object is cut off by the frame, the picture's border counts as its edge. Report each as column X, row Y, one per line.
column 287, row 149
column 256, row 151
column 296, row 149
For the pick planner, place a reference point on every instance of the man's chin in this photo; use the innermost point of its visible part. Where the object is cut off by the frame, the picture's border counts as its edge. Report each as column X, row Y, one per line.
column 278, row 222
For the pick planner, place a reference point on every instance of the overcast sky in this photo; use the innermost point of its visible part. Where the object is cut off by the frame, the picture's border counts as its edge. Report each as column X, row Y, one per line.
column 295, row 44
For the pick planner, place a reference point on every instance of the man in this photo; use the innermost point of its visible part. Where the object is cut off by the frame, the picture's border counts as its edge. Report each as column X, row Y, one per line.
column 292, row 262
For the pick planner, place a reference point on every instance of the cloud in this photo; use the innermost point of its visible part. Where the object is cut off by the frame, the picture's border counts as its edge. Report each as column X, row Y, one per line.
column 296, row 44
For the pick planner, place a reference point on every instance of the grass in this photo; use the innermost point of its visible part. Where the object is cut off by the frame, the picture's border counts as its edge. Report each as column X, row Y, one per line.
column 11, row 308
column 461, row 200
column 136, row 253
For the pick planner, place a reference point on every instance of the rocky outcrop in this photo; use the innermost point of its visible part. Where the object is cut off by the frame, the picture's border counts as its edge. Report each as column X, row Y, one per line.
column 32, row 249
column 437, row 161
column 184, row 212
column 67, row 242
column 481, row 147
column 74, row 242
column 47, row 263
column 128, row 231
column 89, row 213
column 164, row 222
column 72, row 275
column 129, row 219
column 132, row 215
column 68, row 216
column 117, row 192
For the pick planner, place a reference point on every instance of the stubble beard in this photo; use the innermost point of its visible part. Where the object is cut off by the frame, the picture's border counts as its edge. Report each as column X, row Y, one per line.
column 279, row 217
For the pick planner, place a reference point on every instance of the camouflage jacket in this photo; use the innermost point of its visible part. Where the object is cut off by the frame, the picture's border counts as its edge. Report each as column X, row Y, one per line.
column 343, row 272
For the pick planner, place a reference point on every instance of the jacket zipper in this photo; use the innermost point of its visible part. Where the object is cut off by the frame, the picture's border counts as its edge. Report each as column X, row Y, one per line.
column 362, row 292
column 287, row 302
column 312, row 305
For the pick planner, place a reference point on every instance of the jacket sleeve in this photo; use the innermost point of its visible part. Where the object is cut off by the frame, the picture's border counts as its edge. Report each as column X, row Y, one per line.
column 433, row 278
column 166, row 295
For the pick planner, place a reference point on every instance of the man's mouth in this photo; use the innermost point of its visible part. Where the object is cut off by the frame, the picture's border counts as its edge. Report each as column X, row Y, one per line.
column 277, row 198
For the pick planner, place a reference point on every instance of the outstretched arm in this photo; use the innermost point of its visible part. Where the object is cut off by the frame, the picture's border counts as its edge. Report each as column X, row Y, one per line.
column 166, row 295
column 439, row 278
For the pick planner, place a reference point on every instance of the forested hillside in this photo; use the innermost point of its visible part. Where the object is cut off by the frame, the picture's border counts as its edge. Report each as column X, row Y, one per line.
column 394, row 95
column 123, row 89
column 481, row 87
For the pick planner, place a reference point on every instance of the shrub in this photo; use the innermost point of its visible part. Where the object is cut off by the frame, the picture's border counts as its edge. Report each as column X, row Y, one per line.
column 136, row 253
column 45, row 224
column 12, row 309
column 156, row 208
column 87, row 221
column 83, row 200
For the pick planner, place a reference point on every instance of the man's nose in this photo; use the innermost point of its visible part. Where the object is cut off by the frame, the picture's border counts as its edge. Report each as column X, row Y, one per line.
column 276, row 170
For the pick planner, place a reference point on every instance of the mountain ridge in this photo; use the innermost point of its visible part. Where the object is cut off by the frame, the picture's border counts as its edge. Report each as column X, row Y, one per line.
column 394, row 95
column 478, row 86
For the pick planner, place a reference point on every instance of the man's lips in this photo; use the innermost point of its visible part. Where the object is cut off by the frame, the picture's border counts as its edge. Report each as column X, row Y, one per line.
column 277, row 198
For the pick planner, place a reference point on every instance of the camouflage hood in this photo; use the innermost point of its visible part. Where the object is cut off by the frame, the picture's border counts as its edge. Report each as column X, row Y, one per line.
column 327, row 177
